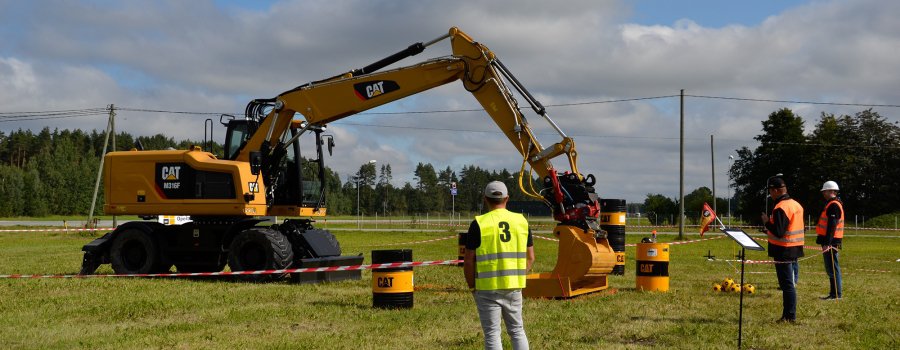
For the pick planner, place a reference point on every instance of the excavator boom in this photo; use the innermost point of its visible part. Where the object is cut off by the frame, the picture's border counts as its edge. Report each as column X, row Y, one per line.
column 585, row 257
column 262, row 173
column 473, row 64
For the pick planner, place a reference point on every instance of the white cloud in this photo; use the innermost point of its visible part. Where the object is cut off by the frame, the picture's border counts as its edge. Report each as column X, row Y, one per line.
column 197, row 57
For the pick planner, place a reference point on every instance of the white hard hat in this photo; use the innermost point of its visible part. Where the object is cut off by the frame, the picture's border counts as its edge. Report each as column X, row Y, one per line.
column 830, row 185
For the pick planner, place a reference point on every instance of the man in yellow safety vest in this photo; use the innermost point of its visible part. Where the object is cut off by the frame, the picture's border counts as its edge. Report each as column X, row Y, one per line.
column 499, row 254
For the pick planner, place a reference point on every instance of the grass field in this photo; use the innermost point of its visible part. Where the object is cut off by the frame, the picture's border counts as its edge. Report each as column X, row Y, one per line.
column 189, row 314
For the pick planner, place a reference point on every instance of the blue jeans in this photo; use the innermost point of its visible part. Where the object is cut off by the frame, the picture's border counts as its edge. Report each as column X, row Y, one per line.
column 796, row 266
column 784, row 269
column 833, row 270
column 492, row 304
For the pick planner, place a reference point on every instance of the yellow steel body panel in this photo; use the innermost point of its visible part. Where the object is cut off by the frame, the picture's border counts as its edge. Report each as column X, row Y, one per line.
column 128, row 175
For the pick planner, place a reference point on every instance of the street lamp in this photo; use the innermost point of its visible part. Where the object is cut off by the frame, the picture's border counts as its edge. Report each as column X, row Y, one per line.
column 357, row 178
column 730, row 164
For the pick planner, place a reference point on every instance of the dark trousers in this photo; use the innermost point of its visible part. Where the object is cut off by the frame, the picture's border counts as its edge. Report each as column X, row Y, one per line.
column 833, row 270
column 784, row 269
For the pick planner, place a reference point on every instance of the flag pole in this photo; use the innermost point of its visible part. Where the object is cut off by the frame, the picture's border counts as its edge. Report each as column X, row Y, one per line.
column 720, row 222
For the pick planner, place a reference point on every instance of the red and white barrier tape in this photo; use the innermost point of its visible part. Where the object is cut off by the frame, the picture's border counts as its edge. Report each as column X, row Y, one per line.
column 60, row 229
column 634, row 244
column 810, row 247
column 258, row 272
column 442, row 225
column 684, row 242
column 780, row 262
column 410, row 243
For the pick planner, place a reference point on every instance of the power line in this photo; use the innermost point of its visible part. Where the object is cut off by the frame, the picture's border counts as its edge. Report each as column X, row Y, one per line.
column 608, row 136
column 58, row 117
column 829, row 145
column 795, row 102
column 147, row 110
column 49, row 113
column 495, row 131
column 56, row 114
column 126, row 109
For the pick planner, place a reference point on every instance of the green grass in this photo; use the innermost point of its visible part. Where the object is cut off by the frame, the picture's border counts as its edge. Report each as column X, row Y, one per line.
column 115, row 313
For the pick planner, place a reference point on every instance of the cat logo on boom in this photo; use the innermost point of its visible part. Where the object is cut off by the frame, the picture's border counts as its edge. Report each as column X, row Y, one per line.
column 371, row 89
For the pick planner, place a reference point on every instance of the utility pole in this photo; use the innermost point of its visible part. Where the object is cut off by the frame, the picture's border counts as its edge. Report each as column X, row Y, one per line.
column 681, row 175
column 730, row 164
column 109, row 126
column 112, row 123
column 712, row 153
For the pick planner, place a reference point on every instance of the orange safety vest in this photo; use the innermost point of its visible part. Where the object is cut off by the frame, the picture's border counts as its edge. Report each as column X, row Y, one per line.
column 822, row 227
column 793, row 236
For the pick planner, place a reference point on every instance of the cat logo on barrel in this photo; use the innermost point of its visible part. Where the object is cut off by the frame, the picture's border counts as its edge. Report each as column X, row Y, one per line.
column 385, row 282
column 371, row 89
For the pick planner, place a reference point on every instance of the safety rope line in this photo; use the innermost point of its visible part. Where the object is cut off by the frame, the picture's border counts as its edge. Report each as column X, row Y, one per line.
column 60, row 229
column 634, row 244
column 411, row 243
column 257, row 272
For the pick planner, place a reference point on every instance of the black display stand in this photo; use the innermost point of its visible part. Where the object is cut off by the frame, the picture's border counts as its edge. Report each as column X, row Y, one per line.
column 746, row 242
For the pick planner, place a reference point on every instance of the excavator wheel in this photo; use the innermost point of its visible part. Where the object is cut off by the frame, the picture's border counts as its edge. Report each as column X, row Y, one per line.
column 134, row 251
column 260, row 249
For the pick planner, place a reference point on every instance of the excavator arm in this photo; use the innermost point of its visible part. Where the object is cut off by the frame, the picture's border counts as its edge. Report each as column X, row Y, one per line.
column 472, row 63
column 585, row 257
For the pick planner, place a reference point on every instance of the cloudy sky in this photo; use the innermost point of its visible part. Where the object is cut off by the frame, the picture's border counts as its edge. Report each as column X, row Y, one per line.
column 214, row 56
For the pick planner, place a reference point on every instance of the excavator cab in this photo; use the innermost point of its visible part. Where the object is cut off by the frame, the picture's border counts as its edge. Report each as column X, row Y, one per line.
column 292, row 178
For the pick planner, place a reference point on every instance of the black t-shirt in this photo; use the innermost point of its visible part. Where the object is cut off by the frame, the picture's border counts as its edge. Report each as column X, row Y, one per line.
column 473, row 237
column 833, row 213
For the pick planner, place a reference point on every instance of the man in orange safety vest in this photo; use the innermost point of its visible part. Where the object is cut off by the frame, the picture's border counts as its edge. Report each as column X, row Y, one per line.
column 784, row 228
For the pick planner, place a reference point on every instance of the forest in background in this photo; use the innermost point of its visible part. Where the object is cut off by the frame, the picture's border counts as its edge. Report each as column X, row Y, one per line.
column 861, row 152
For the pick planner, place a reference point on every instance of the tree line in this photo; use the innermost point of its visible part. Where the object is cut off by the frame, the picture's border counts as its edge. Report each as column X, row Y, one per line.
column 53, row 172
column 861, row 152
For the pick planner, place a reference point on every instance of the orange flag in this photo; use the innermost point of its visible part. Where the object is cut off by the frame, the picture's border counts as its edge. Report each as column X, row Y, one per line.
column 707, row 216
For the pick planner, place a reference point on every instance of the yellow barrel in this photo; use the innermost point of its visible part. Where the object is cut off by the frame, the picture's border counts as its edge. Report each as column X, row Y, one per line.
column 392, row 288
column 462, row 247
column 612, row 220
column 652, row 268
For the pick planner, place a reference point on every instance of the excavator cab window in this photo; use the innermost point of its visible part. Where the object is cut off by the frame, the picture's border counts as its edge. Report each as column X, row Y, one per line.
column 238, row 131
column 300, row 181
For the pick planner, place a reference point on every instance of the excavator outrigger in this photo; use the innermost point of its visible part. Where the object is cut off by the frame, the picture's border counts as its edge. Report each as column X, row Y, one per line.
column 263, row 174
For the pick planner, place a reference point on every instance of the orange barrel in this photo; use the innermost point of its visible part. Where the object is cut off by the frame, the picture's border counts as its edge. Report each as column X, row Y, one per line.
column 462, row 247
column 612, row 220
column 392, row 288
column 652, row 267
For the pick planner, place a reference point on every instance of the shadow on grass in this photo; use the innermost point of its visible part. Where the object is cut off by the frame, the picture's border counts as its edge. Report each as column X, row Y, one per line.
column 692, row 320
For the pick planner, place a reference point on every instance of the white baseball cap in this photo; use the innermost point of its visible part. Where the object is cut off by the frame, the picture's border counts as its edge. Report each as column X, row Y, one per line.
column 496, row 190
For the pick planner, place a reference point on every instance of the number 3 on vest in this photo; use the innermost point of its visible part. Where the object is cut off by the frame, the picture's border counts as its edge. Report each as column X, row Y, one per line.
column 504, row 235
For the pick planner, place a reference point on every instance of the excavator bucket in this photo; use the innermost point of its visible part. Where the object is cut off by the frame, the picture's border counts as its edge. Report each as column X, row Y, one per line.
column 582, row 266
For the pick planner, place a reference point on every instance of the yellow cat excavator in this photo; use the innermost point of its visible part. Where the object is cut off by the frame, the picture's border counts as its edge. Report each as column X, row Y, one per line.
column 263, row 173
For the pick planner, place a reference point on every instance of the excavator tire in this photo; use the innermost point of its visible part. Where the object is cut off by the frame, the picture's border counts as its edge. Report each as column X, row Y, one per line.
column 260, row 249
column 134, row 251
